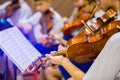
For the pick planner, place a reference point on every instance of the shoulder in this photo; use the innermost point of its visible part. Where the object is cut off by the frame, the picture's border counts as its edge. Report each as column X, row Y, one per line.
column 112, row 45
column 4, row 5
column 25, row 6
column 115, row 37
column 56, row 14
column 36, row 16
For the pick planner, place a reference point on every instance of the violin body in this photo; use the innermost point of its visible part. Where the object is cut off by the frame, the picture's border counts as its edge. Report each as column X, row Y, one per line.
column 85, row 48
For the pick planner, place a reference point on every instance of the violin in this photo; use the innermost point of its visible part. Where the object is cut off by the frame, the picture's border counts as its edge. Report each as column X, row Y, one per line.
column 89, row 46
column 107, row 18
column 12, row 8
column 77, row 24
column 47, row 19
column 47, row 24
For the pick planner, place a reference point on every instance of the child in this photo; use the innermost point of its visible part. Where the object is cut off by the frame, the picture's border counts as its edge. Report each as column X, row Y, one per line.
column 15, row 11
column 21, row 13
column 44, row 22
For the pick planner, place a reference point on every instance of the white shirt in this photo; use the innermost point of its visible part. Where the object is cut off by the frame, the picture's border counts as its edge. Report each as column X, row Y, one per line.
column 107, row 64
column 73, row 15
column 23, row 13
column 57, row 25
column 3, row 8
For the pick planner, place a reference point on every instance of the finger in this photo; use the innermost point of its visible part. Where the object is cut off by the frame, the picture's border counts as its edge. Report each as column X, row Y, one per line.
column 48, row 63
column 44, row 59
column 60, row 47
column 53, row 53
column 49, row 56
column 53, row 65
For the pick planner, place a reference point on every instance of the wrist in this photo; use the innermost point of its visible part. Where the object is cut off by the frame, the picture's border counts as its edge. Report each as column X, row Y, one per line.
column 58, row 38
column 64, row 61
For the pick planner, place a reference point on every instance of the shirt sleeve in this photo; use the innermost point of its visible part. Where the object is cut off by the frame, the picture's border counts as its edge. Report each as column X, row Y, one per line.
column 107, row 64
column 4, row 5
column 34, row 22
column 117, row 77
column 3, row 9
column 37, row 33
column 25, row 12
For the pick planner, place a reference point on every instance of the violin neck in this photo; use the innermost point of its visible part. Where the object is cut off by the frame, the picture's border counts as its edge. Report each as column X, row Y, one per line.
column 62, row 52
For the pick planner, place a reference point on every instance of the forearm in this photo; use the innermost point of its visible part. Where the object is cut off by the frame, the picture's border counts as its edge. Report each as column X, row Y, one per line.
column 70, row 79
column 76, row 73
column 64, row 42
column 59, row 38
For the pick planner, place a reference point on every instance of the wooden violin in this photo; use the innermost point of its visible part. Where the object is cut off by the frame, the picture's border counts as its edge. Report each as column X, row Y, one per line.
column 47, row 24
column 86, row 48
column 77, row 24
column 72, row 26
column 102, row 21
column 47, row 19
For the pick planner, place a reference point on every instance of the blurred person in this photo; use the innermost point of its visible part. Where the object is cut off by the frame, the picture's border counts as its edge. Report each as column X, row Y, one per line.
column 43, row 23
column 40, row 26
column 20, row 14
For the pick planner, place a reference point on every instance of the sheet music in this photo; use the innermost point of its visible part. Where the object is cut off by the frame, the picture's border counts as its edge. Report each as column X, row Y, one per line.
column 18, row 48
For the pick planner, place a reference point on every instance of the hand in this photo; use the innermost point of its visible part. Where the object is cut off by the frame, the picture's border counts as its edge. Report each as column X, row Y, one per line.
column 43, row 41
column 55, row 59
column 54, row 36
column 61, row 47
column 25, row 27
column 47, row 40
column 70, row 79
column 65, row 20
column 50, row 39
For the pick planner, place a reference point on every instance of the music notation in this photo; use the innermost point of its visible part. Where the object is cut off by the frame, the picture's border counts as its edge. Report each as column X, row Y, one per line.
column 18, row 48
